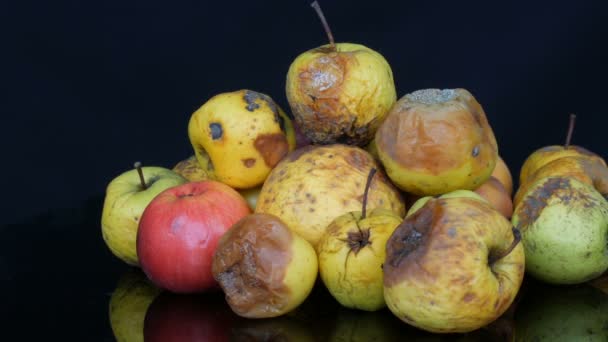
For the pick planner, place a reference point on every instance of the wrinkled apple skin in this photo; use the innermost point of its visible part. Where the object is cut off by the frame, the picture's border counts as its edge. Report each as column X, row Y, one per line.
column 191, row 169
column 179, row 231
column 340, row 96
column 353, row 275
column 564, row 226
column 437, row 275
column 315, row 184
column 436, row 141
column 240, row 136
column 124, row 204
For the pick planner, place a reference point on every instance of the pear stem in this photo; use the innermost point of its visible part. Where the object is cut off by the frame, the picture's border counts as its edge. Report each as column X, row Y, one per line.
column 570, row 130
column 330, row 36
column 516, row 240
column 137, row 165
column 368, row 184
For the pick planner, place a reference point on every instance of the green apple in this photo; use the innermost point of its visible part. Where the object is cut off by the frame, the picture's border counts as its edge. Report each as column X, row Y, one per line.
column 126, row 198
column 564, row 226
column 565, row 313
column 128, row 306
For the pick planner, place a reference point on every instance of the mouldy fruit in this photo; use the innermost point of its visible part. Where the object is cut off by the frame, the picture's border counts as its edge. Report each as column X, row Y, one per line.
column 240, row 136
column 315, row 184
column 264, row 269
column 436, row 141
column 340, row 92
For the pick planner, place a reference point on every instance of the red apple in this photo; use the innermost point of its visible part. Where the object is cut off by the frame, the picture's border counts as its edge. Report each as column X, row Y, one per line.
column 179, row 230
column 178, row 317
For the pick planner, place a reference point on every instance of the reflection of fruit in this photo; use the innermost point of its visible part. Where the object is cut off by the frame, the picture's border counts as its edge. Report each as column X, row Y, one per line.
column 436, row 141
column 179, row 231
column 564, row 226
column 173, row 317
column 351, row 253
column 340, row 93
column 264, row 268
column 241, row 135
column 493, row 191
column 128, row 306
column 503, row 174
column 191, row 169
column 455, row 265
column 601, row 283
column 315, row 184
column 126, row 198
column 353, row 326
column 554, row 314
column 273, row 329
column 251, row 196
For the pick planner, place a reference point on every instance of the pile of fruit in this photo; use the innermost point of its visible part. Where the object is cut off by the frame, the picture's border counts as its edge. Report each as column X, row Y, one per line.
column 398, row 203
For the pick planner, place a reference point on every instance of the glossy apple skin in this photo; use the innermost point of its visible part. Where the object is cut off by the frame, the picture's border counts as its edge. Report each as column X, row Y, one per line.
column 179, row 230
column 175, row 317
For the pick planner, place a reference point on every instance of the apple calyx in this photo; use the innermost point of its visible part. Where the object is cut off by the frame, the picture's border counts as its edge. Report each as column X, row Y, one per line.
column 356, row 240
column 330, row 36
column 570, row 130
column 137, row 165
column 492, row 258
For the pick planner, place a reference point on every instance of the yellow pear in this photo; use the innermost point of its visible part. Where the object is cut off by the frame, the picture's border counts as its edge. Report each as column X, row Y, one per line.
column 240, row 136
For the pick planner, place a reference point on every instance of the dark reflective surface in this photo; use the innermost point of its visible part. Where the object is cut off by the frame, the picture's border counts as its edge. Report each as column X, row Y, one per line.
column 64, row 283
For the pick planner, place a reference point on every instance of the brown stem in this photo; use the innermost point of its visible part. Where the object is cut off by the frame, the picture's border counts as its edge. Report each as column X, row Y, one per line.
column 570, row 130
column 371, row 174
column 516, row 240
column 330, row 36
column 137, row 165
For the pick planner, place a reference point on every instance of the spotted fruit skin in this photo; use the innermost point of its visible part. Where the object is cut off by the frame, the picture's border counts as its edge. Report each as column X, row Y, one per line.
column 340, row 96
column 238, row 137
column 564, row 225
column 315, row 184
column 352, row 272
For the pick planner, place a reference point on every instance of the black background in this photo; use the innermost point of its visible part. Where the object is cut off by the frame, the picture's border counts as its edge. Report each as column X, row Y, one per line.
column 89, row 87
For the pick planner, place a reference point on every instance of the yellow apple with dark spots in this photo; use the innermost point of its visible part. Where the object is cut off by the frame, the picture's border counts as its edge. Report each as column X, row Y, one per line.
column 191, row 169
column 453, row 266
column 240, row 136
column 340, row 92
column 315, row 184
column 435, row 141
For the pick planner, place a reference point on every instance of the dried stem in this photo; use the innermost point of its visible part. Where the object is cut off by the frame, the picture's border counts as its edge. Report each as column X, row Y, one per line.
column 330, row 36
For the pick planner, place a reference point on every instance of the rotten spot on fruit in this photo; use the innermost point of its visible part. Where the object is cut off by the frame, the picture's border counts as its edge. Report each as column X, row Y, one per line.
column 216, row 130
column 272, row 147
column 251, row 98
column 249, row 162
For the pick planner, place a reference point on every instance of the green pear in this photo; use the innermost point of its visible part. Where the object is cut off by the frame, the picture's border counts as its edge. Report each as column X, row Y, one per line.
column 556, row 314
column 456, row 193
column 564, row 226
column 126, row 198
column 128, row 306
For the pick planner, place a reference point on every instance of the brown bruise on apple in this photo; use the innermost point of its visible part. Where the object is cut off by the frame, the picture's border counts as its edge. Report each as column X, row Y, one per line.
column 250, row 264
column 434, row 130
column 442, row 243
column 272, row 147
column 532, row 205
column 320, row 113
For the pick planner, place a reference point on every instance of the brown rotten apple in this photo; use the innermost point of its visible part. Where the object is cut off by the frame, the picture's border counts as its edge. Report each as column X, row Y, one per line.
column 264, row 268
column 455, row 265
column 436, row 141
column 315, row 184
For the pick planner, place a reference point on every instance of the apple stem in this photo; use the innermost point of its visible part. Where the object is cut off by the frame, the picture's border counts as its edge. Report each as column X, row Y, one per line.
column 516, row 240
column 330, row 36
column 368, row 184
column 570, row 130
column 137, row 165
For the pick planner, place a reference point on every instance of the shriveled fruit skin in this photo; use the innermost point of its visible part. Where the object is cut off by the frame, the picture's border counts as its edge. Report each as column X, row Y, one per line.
column 351, row 254
column 238, row 137
column 191, row 169
column 436, row 141
column 315, row 184
column 264, row 269
column 340, row 96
